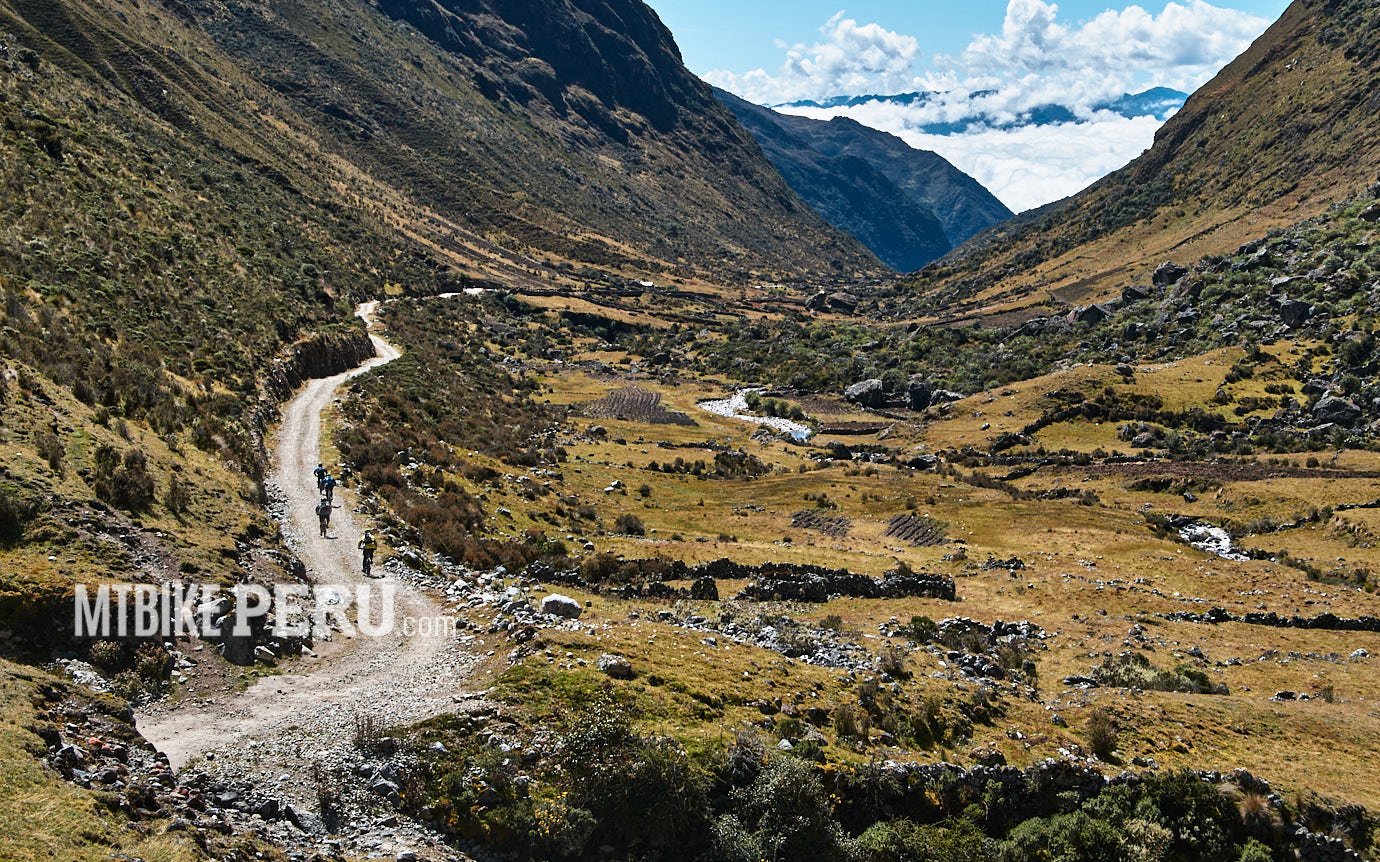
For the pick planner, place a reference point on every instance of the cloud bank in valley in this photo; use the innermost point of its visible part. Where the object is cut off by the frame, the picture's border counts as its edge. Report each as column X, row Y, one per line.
column 1035, row 60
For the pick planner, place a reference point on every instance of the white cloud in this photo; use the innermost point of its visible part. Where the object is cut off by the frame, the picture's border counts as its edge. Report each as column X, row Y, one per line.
column 852, row 58
column 1113, row 52
column 1033, row 165
column 1037, row 59
column 1024, row 167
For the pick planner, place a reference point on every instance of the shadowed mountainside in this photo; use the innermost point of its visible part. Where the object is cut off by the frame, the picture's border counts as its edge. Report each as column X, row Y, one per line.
column 908, row 206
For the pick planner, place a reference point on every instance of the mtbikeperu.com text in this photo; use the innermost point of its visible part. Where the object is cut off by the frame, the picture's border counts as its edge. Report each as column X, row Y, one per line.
column 212, row 611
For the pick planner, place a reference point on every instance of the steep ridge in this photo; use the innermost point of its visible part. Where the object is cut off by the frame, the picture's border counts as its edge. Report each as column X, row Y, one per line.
column 962, row 204
column 1280, row 134
column 846, row 189
column 571, row 128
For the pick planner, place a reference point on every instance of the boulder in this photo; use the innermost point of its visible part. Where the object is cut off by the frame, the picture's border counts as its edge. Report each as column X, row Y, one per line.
column 1132, row 294
column 918, row 392
column 1332, row 409
column 615, row 666
column 945, row 396
column 867, row 393
column 561, row 606
column 844, row 303
column 1168, row 273
column 1295, row 313
column 1089, row 314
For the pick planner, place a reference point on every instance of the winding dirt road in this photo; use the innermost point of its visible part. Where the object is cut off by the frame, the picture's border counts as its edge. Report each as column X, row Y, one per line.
column 274, row 733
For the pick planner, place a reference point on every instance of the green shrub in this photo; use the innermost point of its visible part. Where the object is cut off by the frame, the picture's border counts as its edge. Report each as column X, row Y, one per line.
column 15, row 511
column 921, row 629
column 784, row 814
column 1102, row 733
column 640, row 792
column 179, row 496
column 905, row 841
column 629, row 525
column 122, row 481
column 1076, row 837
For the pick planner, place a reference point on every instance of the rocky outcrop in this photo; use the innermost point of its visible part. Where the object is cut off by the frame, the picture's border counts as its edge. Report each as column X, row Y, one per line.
column 838, row 301
column 867, row 393
column 818, row 586
column 1324, row 622
column 1337, row 410
column 1168, row 273
column 1295, row 313
column 319, row 356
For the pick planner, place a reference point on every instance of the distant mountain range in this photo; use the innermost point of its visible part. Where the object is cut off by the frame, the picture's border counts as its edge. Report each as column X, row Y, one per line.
column 908, row 206
column 1158, row 102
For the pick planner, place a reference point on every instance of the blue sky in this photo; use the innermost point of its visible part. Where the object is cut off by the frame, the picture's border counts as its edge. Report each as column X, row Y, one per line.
column 992, row 59
column 738, row 35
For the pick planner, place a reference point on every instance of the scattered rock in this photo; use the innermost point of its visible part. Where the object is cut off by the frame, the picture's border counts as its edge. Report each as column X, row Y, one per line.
column 615, row 666
column 561, row 606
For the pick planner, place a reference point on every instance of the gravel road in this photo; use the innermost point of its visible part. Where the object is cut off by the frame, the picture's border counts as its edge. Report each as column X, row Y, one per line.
column 273, row 734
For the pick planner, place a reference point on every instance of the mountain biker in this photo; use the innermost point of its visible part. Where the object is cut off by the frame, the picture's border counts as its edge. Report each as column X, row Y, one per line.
column 320, row 474
column 368, row 545
column 323, row 513
column 328, row 488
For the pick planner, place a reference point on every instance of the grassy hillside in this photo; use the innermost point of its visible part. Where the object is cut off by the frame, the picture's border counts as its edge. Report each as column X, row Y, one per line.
column 1281, row 133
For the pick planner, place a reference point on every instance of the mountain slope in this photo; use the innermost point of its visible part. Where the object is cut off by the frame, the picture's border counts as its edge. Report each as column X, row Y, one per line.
column 570, row 127
column 1281, row 133
column 908, row 206
column 962, row 204
column 846, row 190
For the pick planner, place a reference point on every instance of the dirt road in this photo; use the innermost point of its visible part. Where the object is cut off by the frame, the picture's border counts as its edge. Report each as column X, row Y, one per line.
column 275, row 732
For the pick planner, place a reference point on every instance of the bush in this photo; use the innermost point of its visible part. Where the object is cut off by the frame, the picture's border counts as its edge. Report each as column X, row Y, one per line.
column 640, row 792
column 51, row 449
column 905, row 841
column 892, row 662
column 1134, row 670
column 851, row 722
column 179, row 496
column 1102, row 733
column 1076, row 837
column 1254, row 851
column 14, row 512
column 123, row 481
column 921, row 629
column 630, row 525
column 784, row 814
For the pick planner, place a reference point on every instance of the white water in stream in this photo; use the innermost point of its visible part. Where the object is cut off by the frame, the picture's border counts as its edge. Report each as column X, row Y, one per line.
column 736, row 407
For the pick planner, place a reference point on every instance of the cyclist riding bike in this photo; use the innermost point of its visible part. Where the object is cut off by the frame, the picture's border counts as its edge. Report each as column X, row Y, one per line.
column 367, row 545
column 320, row 474
column 328, row 488
column 323, row 514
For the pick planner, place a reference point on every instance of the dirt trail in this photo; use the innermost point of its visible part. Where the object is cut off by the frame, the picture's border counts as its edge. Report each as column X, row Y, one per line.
column 274, row 733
